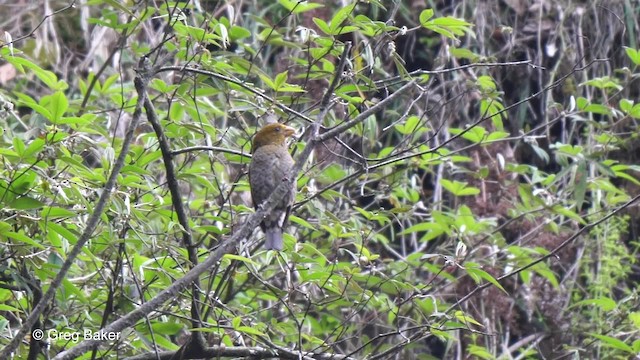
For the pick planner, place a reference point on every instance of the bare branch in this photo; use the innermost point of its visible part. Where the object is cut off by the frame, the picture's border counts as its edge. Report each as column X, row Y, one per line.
column 243, row 351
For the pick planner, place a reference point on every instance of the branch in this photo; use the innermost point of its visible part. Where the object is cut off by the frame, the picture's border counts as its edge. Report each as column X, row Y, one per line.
column 211, row 148
column 458, row 68
column 242, row 352
column 364, row 115
column 140, row 81
column 239, row 83
column 33, row 31
column 176, row 201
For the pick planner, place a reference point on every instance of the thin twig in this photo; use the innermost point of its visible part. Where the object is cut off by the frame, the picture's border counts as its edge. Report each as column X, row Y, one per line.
column 30, row 34
column 239, row 83
column 211, row 148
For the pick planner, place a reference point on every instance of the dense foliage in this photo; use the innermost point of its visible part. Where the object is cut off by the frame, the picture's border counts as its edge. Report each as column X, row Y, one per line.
column 467, row 184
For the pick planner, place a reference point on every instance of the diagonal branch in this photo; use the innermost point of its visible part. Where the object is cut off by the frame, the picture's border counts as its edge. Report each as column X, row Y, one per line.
column 176, row 201
column 244, row 352
column 365, row 114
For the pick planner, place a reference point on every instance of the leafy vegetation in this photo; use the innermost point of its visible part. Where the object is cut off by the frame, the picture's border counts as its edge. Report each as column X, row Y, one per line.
column 467, row 180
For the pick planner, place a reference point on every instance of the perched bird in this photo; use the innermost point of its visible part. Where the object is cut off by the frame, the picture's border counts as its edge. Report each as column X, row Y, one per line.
column 270, row 165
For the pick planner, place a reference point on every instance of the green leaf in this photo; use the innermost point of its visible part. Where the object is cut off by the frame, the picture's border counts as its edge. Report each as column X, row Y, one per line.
column 466, row 319
column 47, row 77
column 475, row 134
column 479, row 352
column 604, row 82
column 34, row 147
column 497, row 135
column 543, row 270
column 459, row 188
column 239, row 258
column 298, row 7
column 167, row 328
column 614, row 343
column 57, row 105
column 411, row 125
column 625, row 105
column 72, row 289
column 604, row 303
column 23, row 238
column 559, row 209
column 300, row 221
column 340, row 17
column 62, row 231
column 462, row 53
column 238, row 32
column 448, row 26
column 635, row 319
column 477, row 274
column 29, row 102
column 633, row 54
column 268, row 81
column 280, row 80
column 580, row 183
column 25, row 203
column 249, row 330
column 322, row 25
column 4, row 307
column 425, row 16
column 18, row 146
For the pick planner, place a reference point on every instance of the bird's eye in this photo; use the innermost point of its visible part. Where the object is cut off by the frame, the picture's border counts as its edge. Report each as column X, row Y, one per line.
column 277, row 129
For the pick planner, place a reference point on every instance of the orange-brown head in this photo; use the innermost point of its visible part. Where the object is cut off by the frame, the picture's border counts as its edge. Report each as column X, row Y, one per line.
column 272, row 134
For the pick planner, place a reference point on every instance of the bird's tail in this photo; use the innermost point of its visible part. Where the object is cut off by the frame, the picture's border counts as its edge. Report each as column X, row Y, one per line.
column 273, row 239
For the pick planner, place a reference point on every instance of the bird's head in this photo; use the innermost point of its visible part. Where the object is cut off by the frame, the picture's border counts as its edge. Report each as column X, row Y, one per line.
column 272, row 134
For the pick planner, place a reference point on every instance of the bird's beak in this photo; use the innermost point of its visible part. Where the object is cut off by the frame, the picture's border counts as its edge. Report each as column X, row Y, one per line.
column 289, row 131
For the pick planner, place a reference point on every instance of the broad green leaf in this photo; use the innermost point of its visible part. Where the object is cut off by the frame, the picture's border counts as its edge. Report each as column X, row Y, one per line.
column 612, row 342
column 477, row 274
column 25, row 203
column 58, row 106
column 298, row 7
column 604, row 303
column 167, row 328
column 34, row 147
column 459, row 188
column 466, row 319
column 71, row 289
column 62, row 231
column 322, row 25
column 18, row 146
column 475, row 134
column 633, row 54
column 340, row 17
column 239, row 258
column 22, row 238
column 249, row 330
column 425, row 16
column 47, row 77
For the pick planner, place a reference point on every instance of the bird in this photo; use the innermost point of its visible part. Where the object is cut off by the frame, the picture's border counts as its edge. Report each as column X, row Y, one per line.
column 270, row 165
